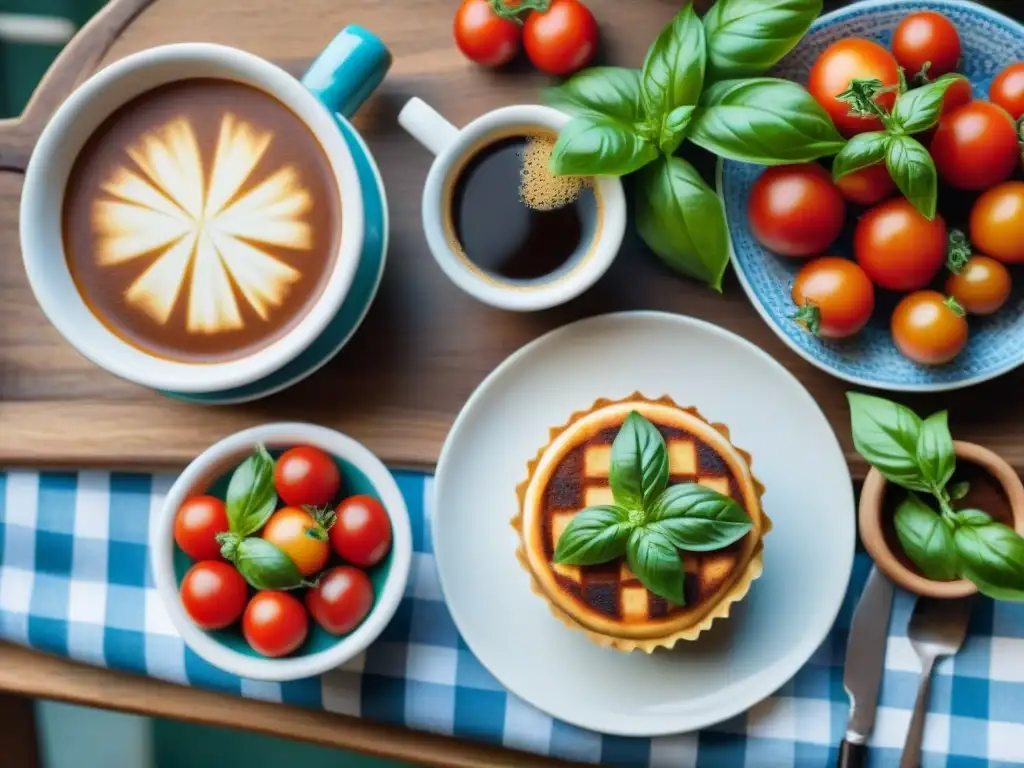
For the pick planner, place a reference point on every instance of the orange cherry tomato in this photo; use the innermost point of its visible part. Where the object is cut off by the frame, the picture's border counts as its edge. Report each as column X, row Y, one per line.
column 868, row 186
column 796, row 210
column 852, row 58
column 197, row 524
column 834, row 296
column 213, row 594
column 981, row 286
column 275, row 623
column 997, row 222
column 927, row 329
column 1007, row 90
column 299, row 535
column 975, row 146
column 928, row 42
column 483, row 36
column 561, row 39
column 898, row 247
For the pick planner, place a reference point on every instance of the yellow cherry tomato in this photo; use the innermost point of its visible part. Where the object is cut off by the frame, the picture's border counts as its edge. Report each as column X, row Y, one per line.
column 301, row 536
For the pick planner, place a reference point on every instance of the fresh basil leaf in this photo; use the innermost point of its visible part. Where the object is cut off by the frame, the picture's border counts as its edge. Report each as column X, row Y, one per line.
column 936, row 456
column 913, row 170
column 656, row 562
column 674, row 128
column 862, row 151
column 599, row 147
column 749, row 37
column 600, row 92
column 885, row 434
column 764, row 120
column 682, row 220
column 971, row 517
column 926, row 540
column 993, row 558
column 673, row 73
column 698, row 519
column 595, row 535
column 639, row 468
column 251, row 497
column 958, row 490
column 265, row 566
column 919, row 109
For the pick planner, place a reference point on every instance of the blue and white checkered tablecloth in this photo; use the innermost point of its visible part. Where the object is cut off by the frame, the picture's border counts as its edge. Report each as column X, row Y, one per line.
column 75, row 581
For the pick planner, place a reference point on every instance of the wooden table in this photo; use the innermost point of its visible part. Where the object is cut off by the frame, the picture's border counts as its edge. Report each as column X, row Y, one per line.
column 47, row 393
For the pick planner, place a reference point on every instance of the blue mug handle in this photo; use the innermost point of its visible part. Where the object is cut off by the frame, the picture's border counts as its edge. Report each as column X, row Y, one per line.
column 348, row 70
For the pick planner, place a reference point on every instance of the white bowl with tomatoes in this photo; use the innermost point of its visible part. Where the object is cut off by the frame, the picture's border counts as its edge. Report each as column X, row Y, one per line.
column 282, row 551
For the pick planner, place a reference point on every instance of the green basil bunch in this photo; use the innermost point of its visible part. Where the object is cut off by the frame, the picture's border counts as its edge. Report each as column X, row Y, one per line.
column 918, row 455
column 650, row 521
column 628, row 120
column 908, row 161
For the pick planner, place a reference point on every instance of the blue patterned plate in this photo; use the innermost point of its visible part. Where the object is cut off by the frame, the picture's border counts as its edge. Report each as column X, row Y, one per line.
column 990, row 43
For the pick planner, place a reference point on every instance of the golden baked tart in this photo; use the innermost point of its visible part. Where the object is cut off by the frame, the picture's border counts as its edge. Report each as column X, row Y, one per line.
column 640, row 523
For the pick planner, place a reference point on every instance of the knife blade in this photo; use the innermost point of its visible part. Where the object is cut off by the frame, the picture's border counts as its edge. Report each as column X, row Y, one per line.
column 865, row 661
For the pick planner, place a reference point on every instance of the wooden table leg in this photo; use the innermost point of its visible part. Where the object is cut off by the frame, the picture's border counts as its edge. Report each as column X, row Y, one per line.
column 18, row 732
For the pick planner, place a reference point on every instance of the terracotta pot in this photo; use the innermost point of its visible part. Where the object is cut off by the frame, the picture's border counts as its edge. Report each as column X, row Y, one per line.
column 871, row 509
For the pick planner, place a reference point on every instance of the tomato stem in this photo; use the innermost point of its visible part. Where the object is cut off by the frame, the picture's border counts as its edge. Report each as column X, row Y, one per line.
column 514, row 9
column 808, row 316
column 955, row 306
column 958, row 252
column 861, row 97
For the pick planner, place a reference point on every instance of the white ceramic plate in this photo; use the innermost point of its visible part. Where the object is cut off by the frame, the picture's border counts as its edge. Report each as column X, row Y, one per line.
column 807, row 557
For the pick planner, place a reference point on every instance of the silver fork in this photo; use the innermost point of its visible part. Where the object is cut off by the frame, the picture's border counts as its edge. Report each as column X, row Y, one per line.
column 937, row 629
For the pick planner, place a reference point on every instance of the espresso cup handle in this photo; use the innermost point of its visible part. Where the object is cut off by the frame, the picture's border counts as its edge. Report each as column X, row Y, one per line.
column 348, row 70
column 425, row 124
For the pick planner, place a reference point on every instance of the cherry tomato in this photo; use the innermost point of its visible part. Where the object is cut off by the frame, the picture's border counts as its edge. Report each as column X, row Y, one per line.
column 852, row 58
column 927, row 329
column 834, row 296
column 868, row 186
column 561, row 39
column 306, row 475
column 362, row 532
column 796, row 210
column 898, row 247
column 960, row 92
column 1007, row 90
column 975, row 146
column 981, row 286
column 213, row 594
column 300, row 536
column 483, row 36
column 997, row 222
column 275, row 623
column 926, row 38
column 197, row 524
column 341, row 600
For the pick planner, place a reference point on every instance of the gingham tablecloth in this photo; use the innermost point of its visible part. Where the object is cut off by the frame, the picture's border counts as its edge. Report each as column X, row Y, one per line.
column 75, row 581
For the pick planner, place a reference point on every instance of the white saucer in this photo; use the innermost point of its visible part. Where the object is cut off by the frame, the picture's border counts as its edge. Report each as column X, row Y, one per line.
column 807, row 557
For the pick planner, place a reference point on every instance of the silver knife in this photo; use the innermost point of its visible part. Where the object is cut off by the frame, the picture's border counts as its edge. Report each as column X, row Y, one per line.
column 865, row 661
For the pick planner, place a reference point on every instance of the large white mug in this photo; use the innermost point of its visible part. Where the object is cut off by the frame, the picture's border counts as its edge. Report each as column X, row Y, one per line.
column 602, row 231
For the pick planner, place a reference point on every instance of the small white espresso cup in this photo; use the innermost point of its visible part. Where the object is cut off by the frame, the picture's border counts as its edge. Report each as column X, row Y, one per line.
column 454, row 147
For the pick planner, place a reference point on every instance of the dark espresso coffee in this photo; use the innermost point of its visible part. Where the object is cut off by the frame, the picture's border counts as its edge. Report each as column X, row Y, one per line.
column 201, row 221
column 512, row 219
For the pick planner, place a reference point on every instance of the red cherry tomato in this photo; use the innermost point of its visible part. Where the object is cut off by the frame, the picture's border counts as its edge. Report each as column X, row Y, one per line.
column 834, row 296
column 213, row 594
column 197, row 524
column 868, row 186
column 959, row 93
column 561, row 39
column 306, row 476
column 926, row 39
column 997, row 222
column 299, row 535
column 796, row 210
column 975, row 146
column 898, row 247
column 849, row 59
column 275, row 623
column 483, row 36
column 981, row 286
column 1007, row 90
column 362, row 532
column 927, row 330
column 341, row 600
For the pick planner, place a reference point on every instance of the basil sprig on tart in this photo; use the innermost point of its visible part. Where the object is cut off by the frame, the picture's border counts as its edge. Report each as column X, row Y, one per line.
column 650, row 521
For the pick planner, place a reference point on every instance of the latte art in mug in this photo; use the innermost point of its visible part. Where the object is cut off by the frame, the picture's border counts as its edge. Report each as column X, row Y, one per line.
column 201, row 220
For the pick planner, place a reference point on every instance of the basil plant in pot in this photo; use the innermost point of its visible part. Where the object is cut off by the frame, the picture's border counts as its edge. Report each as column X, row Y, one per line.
column 701, row 81
column 956, row 547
